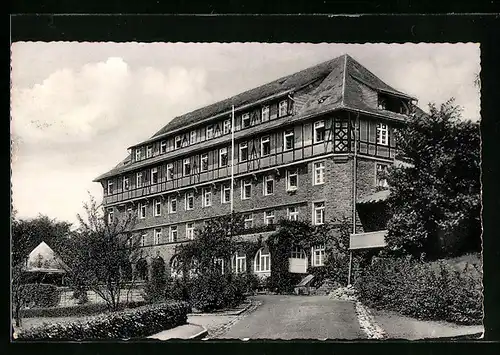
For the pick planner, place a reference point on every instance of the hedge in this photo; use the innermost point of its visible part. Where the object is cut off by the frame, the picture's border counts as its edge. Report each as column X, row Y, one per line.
column 42, row 295
column 429, row 291
column 79, row 310
column 128, row 324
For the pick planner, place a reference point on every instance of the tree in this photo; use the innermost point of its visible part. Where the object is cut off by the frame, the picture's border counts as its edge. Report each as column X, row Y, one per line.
column 435, row 200
column 101, row 253
column 20, row 294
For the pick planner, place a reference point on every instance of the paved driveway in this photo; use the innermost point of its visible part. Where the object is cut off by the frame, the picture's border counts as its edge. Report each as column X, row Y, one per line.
column 298, row 317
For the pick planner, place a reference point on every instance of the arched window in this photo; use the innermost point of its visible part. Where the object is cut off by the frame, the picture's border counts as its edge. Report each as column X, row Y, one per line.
column 262, row 262
column 239, row 263
column 142, row 269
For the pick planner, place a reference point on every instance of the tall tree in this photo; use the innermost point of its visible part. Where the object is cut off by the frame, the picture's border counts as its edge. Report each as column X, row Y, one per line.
column 435, row 200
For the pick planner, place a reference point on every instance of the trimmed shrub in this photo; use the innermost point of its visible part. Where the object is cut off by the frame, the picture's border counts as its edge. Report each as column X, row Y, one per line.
column 89, row 309
column 43, row 295
column 131, row 323
column 155, row 286
column 430, row 291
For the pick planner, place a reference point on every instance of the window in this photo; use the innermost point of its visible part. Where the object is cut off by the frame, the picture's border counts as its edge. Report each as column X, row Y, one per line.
column 170, row 171
column 154, row 175
column 265, row 113
column 125, row 183
column 190, row 230
column 143, row 240
column 381, row 175
column 262, row 261
column 186, row 167
column 319, row 213
column 245, row 120
column 207, row 197
column 189, row 200
column 210, row 132
column 227, row 126
column 239, row 263
column 283, row 108
column 110, row 215
column 319, row 173
column 139, row 179
column 219, row 265
column 173, row 234
column 163, row 147
column 246, row 189
column 142, row 210
column 157, row 208
column 243, row 151
column 297, row 253
column 110, row 187
column 149, row 151
column 129, row 211
column 178, row 142
column 318, row 255
column 138, row 154
column 288, row 140
column 157, row 236
column 319, row 131
column 293, row 213
column 382, row 134
column 292, row 180
column 268, row 217
column 248, row 220
column 204, row 162
column 265, row 146
column 268, row 185
column 226, row 193
column 173, row 204
column 192, row 137
column 222, row 157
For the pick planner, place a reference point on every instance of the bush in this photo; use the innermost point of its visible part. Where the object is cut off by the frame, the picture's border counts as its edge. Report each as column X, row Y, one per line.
column 132, row 323
column 155, row 286
column 431, row 291
column 72, row 311
column 43, row 295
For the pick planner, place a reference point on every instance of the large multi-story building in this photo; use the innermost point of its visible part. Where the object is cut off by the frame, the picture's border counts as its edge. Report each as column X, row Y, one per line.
column 307, row 146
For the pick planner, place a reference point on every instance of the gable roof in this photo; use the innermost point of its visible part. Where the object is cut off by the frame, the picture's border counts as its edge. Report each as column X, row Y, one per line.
column 43, row 258
column 341, row 84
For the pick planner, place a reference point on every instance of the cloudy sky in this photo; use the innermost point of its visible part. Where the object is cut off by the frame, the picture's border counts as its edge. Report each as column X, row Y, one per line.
column 76, row 107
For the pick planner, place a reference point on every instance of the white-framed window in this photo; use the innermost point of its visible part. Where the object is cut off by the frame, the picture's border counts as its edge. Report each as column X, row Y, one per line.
column 265, row 146
column 268, row 185
column 110, row 215
column 292, row 180
column 288, row 140
column 173, row 234
column 245, row 120
column 137, row 154
column 143, row 240
column 319, row 173
column 239, row 263
column 192, row 137
column 186, row 170
column 149, row 151
column 265, row 113
column 125, row 183
column 189, row 200
column 190, row 230
column 207, row 197
column 173, row 204
column 318, row 255
column 170, row 171
column 139, row 179
column 283, row 108
column 157, row 207
column 210, row 131
column 381, row 175
column 319, row 131
column 382, row 134
column 262, row 261
column 222, row 157
column 157, row 236
column 178, row 142
column 227, row 126
column 142, row 210
column 163, row 147
column 297, row 253
column 268, row 217
column 204, row 162
column 293, row 213
column 246, row 189
column 248, row 218
column 110, row 187
column 154, row 175
column 226, row 193
column 319, row 212
column 219, row 264
column 243, row 151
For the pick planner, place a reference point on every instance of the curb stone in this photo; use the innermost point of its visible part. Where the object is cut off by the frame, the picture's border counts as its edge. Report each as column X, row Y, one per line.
column 368, row 324
column 223, row 329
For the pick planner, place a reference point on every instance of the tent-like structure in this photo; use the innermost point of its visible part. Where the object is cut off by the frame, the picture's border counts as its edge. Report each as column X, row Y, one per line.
column 45, row 266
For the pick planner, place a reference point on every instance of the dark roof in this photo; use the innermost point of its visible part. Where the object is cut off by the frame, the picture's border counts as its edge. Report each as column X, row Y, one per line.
column 376, row 197
column 340, row 88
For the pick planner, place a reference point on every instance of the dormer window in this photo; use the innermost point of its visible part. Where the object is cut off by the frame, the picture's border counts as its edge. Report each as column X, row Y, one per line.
column 227, row 126
column 149, row 151
column 192, row 139
column 110, row 187
column 178, row 142
column 245, row 120
column 210, row 132
column 138, row 154
column 163, row 147
column 319, row 131
column 283, row 108
column 265, row 113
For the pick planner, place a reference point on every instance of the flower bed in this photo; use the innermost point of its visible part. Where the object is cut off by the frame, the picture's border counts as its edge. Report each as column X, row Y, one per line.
column 127, row 324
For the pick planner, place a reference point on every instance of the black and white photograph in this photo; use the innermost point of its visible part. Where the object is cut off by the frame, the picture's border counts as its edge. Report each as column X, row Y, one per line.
column 206, row 191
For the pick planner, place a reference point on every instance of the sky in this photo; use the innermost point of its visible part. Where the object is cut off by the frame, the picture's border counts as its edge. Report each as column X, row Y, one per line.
column 76, row 106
